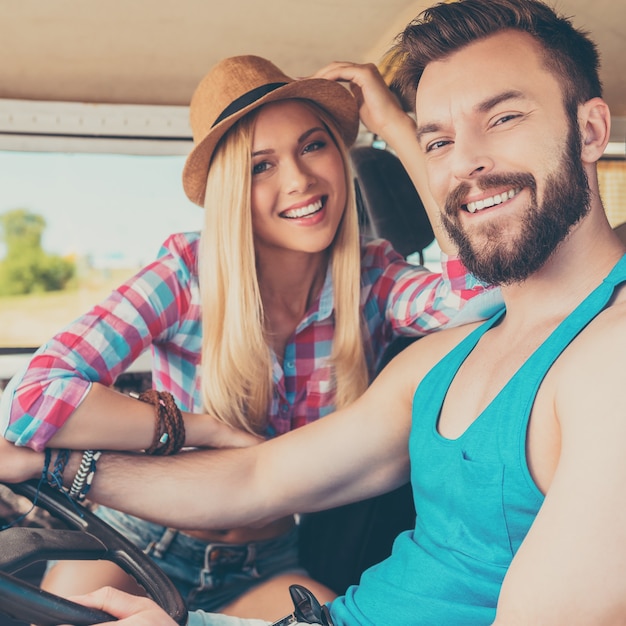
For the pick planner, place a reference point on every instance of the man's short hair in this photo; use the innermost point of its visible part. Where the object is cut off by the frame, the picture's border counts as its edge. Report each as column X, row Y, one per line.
column 443, row 29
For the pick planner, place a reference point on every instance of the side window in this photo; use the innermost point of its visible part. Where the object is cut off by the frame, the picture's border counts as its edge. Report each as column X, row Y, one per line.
column 88, row 195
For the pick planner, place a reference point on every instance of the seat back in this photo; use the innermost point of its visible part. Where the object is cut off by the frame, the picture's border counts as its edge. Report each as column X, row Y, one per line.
column 389, row 206
column 337, row 545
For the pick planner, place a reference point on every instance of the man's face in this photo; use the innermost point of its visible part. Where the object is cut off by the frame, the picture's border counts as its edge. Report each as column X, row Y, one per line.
column 503, row 158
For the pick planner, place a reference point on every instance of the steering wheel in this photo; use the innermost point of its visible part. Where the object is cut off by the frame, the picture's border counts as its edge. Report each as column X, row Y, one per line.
column 88, row 538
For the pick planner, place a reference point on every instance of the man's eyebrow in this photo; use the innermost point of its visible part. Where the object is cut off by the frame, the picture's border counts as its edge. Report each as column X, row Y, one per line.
column 425, row 129
column 486, row 105
column 482, row 107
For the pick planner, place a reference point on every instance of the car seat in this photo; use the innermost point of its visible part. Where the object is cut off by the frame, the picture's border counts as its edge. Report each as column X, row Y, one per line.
column 337, row 545
column 388, row 203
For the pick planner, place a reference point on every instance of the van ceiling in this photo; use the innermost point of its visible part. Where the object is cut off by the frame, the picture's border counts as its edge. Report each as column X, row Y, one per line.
column 155, row 51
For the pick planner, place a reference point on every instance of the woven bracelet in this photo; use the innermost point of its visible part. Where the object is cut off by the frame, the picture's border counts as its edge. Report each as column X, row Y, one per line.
column 169, row 426
column 84, row 476
column 55, row 477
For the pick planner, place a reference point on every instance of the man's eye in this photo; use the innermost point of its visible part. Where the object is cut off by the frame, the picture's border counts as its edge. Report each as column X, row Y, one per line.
column 259, row 168
column 505, row 118
column 436, row 145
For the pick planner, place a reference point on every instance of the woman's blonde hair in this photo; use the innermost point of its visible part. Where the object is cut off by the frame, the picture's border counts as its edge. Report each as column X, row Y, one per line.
column 236, row 360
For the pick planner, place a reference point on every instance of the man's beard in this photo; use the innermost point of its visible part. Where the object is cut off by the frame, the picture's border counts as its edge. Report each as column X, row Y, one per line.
column 566, row 201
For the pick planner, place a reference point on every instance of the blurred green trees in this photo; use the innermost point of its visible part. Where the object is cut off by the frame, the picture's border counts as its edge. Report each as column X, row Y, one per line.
column 26, row 267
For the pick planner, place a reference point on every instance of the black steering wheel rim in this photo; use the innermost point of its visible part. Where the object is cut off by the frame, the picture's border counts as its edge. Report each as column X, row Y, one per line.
column 88, row 538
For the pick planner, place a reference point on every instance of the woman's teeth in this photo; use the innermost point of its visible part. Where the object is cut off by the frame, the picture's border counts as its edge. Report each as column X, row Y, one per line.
column 303, row 211
column 472, row 207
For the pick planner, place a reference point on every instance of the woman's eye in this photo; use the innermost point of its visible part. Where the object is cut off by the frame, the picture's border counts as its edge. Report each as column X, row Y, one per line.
column 259, row 168
column 313, row 146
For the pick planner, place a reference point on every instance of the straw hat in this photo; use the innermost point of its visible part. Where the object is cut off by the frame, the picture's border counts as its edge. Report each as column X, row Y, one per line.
column 236, row 86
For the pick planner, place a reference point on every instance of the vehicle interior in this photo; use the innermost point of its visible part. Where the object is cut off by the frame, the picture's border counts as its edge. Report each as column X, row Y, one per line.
column 93, row 136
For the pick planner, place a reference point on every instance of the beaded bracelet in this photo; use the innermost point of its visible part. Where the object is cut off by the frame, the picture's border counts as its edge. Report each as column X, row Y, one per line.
column 169, row 426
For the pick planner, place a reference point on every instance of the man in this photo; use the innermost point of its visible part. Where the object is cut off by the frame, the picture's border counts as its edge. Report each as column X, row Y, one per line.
column 515, row 427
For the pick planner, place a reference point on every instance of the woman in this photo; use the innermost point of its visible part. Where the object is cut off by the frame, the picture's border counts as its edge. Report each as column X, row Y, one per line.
column 270, row 319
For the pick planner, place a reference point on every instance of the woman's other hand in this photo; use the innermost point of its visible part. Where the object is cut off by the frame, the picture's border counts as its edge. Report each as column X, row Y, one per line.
column 206, row 431
column 18, row 463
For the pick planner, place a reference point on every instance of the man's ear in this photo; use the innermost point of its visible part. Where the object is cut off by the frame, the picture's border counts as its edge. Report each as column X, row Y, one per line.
column 594, row 118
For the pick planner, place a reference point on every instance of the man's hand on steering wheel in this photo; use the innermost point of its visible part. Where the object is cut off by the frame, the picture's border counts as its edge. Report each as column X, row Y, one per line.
column 87, row 538
column 130, row 610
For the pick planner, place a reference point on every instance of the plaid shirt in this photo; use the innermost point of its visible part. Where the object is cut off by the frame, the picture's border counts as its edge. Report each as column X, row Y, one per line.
column 159, row 308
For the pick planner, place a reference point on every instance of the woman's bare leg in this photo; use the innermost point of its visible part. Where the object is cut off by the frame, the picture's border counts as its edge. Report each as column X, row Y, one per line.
column 67, row 578
column 270, row 600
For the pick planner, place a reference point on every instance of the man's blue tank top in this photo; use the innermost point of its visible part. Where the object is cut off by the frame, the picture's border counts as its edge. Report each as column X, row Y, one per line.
column 475, row 497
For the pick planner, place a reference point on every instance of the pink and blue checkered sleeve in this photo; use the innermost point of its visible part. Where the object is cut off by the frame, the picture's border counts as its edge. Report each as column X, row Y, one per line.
column 96, row 347
column 418, row 301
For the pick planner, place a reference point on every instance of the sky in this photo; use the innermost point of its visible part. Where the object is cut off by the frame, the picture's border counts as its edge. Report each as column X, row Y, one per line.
column 118, row 208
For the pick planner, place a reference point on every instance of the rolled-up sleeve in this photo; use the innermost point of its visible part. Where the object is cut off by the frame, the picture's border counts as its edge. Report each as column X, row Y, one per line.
column 96, row 347
column 417, row 301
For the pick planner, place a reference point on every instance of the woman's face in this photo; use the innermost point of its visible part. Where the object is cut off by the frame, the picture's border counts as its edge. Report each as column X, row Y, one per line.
column 298, row 180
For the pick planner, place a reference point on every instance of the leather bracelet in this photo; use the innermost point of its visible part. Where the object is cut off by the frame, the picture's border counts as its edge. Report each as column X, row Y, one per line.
column 169, row 426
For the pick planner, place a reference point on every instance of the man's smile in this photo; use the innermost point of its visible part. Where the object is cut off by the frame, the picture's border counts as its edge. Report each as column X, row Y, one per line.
column 485, row 203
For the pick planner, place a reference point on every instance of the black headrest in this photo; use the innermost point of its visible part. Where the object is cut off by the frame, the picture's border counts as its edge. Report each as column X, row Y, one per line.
column 389, row 205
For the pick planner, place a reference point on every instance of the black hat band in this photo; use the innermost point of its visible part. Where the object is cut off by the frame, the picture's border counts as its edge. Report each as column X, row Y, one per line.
column 248, row 98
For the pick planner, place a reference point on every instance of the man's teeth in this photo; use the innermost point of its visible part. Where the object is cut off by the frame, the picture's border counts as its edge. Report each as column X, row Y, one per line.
column 304, row 211
column 472, row 207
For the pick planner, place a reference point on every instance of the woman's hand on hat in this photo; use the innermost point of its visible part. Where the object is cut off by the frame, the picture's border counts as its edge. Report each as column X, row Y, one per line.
column 379, row 109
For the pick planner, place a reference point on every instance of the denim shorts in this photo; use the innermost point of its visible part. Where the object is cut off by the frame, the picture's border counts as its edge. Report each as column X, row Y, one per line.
column 208, row 575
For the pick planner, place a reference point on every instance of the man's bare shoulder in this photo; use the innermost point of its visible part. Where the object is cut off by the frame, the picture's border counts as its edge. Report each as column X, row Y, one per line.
column 432, row 348
column 603, row 339
column 414, row 362
column 590, row 373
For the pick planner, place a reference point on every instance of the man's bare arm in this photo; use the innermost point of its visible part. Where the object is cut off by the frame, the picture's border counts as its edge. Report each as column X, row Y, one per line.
column 570, row 568
column 355, row 453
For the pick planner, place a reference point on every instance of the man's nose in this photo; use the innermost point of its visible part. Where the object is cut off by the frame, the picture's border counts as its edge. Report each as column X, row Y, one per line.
column 471, row 156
